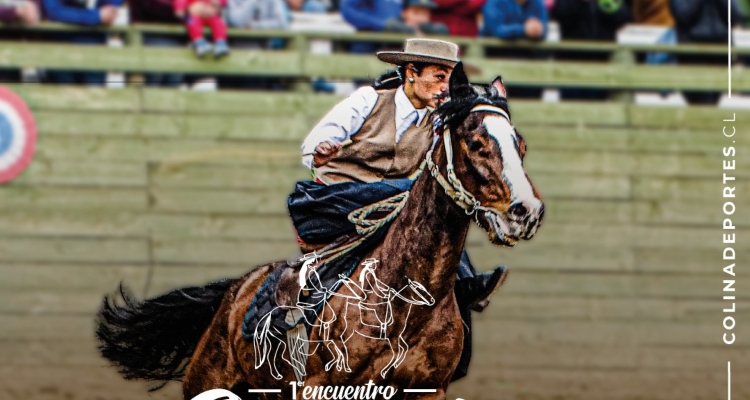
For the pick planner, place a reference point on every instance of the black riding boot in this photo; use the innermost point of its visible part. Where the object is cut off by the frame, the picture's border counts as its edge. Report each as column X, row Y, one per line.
column 472, row 293
column 473, row 289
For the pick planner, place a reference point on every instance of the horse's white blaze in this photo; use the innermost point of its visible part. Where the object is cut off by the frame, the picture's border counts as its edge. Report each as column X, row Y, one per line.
column 513, row 173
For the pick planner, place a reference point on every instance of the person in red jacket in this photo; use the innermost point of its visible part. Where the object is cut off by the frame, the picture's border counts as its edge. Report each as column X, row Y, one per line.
column 459, row 15
column 206, row 12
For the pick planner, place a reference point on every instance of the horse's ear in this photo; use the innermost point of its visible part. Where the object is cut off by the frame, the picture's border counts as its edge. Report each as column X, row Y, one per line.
column 459, row 82
column 498, row 87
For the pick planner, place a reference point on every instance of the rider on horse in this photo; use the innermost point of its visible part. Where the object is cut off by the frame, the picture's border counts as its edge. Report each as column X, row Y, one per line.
column 370, row 147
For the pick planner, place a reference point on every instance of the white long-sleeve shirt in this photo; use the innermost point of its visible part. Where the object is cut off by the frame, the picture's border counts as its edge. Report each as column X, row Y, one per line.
column 348, row 116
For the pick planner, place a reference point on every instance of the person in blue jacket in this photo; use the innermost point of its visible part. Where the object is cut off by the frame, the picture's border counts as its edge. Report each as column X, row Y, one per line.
column 515, row 19
column 86, row 13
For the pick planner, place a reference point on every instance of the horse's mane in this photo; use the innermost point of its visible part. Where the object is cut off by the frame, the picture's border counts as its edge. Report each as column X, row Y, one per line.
column 464, row 96
column 456, row 110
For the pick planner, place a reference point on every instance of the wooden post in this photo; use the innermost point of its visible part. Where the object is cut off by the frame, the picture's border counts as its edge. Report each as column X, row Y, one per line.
column 623, row 57
column 302, row 84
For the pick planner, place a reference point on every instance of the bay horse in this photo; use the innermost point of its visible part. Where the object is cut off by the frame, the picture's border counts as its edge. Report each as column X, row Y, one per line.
column 474, row 172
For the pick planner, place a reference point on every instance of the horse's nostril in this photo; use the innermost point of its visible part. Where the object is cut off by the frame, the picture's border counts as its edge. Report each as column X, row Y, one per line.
column 518, row 210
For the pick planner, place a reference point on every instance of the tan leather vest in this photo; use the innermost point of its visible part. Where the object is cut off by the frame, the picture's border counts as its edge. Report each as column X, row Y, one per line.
column 373, row 154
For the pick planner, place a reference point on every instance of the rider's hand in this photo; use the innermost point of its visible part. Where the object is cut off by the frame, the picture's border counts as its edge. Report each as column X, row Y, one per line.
column 324, row 153
column 28, row 13
column 533, row 28
column 107, row 14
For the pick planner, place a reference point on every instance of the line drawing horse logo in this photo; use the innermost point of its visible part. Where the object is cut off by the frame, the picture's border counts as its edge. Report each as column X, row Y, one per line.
column 369, row 315
column 374, row 313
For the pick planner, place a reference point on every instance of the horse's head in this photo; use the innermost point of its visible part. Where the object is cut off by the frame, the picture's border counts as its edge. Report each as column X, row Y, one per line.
column 484, row 168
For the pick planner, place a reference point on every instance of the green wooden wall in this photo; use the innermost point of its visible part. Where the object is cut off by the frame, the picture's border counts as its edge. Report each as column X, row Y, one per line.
column 617, row 297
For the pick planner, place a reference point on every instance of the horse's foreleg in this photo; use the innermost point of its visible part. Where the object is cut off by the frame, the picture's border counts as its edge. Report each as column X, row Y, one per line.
column 392, row 361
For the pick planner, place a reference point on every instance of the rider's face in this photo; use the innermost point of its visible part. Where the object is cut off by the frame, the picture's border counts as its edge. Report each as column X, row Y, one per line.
column 430, row 87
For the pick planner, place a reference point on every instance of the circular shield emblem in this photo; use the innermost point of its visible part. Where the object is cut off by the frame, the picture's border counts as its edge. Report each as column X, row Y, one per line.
column 17, row 135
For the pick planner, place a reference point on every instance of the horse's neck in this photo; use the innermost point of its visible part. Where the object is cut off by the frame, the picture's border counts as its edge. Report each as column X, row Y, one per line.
column 425, row 241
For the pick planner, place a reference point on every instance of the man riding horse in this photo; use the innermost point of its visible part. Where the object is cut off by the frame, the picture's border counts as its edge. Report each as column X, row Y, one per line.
column 371, row 146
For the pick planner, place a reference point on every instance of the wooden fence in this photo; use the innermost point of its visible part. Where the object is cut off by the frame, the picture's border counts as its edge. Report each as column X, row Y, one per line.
column 618, row 296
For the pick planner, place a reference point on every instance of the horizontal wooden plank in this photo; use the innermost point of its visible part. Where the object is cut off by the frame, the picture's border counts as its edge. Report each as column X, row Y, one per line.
column 598, row 334
column 604, row 75
column 73, row 353
column 557, row 73
column 80, row 383
column 18, row 197
column 244, row 103
column 188, row 151
column 568, row 186
column 60, row 222
column 529, row 256
column 573, row 113
column 89, row 148
column 218, row 176
column 222, row 251
column 63, row 289
column 685, row 139
column 579, row 162
column 519, row 383
column 614, row 285
column 220, row 201
column 254, row 62
column 704, row 118
column 685, row 259
column 58, row 327
column 683, row 165
column 706, row 212
column 88, row 121
column 157, row 59
column 661, row 315
column 72, row 250
column 709, row 191
column 83, row 172
column 44, row 97
column 263, row 228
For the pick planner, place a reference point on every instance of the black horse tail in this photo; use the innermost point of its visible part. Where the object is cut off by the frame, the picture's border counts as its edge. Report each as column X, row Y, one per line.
column 155, row 338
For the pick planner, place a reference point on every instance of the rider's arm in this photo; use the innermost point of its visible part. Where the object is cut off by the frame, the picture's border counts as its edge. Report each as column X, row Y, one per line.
column 341, row 123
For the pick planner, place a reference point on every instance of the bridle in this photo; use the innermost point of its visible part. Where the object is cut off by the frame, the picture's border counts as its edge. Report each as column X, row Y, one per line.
column 452, row 185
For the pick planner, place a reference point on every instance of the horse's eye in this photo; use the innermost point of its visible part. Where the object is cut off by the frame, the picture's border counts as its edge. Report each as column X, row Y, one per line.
column 474, row 145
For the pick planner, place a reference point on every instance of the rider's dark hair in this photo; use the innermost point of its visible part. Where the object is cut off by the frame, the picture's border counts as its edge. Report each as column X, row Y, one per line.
column 394, row 78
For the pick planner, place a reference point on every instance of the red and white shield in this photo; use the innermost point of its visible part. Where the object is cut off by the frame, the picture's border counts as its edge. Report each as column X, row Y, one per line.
column 17, row 135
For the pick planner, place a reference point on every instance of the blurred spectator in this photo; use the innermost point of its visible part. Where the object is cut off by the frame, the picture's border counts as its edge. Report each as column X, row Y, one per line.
column 24, row 12
column 257, row 14
column 21, row 12
column 515, row 19
column 80, row 12
column 590, row 19
column 745, row 6
column 415, row 19
column 197, row 14
column 652, row 12
column 703, row 21
column 656, row 13
column 460, row 16
column 548, row 4
column 157, row 11
column 370, row 15
column 311, row 6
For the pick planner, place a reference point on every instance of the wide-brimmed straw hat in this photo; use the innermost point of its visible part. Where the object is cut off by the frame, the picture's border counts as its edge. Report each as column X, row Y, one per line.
column 429, row 51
